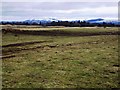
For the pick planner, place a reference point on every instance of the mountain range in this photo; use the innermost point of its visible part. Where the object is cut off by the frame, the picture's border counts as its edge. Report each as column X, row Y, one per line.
column 44, row 21
column 99, row 20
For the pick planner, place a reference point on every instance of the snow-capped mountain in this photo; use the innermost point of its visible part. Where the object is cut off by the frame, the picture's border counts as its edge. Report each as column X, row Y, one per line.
column 43, row 21
column 95, row 20
column 49, row 20
column 100, row 20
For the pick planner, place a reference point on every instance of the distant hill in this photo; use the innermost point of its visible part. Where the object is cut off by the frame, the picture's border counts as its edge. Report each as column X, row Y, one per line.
column 95, row 20
column 100, row 20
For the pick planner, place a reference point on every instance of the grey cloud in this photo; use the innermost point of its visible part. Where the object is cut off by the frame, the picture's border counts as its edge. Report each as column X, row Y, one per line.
column 50, row 9
column 55, row 5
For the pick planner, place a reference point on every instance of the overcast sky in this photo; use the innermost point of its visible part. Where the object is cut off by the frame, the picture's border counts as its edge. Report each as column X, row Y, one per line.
column 59, row 10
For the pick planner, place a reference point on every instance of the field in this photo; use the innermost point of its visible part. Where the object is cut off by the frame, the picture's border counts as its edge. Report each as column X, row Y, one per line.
column 60, row 57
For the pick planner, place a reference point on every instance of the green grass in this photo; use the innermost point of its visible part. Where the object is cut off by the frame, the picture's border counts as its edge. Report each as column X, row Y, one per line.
column 74, row 62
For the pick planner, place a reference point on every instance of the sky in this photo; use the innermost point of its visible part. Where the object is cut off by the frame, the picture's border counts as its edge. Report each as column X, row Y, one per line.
column 60, row 10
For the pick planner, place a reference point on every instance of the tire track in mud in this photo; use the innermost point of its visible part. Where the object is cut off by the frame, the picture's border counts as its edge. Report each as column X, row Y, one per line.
column 13, row 52
column 24, row 43
column 9, row 49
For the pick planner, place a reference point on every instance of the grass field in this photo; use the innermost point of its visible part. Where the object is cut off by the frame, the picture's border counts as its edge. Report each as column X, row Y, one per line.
column 38, row 61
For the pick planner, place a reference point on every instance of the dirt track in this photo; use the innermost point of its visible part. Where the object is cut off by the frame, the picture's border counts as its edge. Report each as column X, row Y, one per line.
column 24, row 43
column 12, row 50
